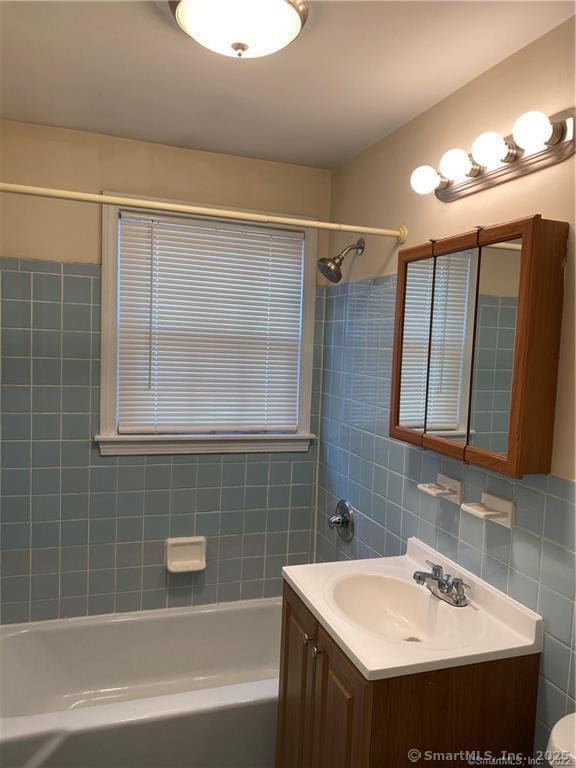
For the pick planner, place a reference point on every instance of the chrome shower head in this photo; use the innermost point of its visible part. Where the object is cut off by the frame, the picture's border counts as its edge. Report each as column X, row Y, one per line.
column 332, row 268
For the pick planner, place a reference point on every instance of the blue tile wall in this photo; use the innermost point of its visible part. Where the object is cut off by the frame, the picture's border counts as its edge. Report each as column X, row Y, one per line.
column 83, row 534
column 534, row 562
column 492, row 380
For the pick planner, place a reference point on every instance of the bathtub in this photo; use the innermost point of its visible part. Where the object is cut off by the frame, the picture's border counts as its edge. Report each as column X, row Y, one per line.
column 178, row 688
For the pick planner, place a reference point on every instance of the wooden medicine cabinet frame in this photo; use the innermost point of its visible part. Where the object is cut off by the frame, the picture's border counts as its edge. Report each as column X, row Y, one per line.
column 536, row 345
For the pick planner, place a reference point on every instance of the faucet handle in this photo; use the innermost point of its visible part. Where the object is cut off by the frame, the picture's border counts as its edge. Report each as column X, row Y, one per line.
column 457, row 593
column 437, row 570
column 458, row 586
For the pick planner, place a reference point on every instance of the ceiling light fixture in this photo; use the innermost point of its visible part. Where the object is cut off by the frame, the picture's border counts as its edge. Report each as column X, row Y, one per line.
column 243, row 29
column 537, row 141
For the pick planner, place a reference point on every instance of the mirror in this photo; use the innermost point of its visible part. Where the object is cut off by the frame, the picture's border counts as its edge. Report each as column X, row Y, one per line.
column 415, row 340
column 476, row 345
column 498, row 291
column 451, row 343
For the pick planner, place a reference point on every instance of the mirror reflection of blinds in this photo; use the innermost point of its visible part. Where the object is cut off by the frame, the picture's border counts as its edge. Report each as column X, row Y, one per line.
column 209, row 327
column 415, row 343
column 448, row 343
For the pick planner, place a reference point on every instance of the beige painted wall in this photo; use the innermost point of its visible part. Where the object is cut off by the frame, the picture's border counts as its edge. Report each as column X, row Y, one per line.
column 374, row 188
column 65, row 231
column 500, row 272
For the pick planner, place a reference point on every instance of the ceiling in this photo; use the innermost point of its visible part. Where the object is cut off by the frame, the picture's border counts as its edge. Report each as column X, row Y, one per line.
column 358, row 71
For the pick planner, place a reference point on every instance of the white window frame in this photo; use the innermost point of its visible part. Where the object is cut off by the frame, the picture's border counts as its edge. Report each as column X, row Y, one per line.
column 111, row 442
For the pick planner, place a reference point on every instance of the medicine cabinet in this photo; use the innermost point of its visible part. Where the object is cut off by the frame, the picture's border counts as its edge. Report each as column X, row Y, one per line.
column 476, row 345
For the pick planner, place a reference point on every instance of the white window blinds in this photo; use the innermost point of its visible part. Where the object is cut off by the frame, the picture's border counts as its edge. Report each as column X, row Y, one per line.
column 209, row 327
column 415, row 343
column 444, row 406
column 447, row 380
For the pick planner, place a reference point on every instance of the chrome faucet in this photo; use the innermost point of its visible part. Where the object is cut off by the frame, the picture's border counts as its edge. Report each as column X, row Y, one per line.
column 442, row 585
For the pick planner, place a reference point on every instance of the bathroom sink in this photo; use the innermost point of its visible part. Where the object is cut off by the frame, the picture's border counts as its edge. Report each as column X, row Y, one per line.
column 389, row 625
column 390, row 607
column 401, row 611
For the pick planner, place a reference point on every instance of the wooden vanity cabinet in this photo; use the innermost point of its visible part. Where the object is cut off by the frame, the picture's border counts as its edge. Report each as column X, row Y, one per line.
column 299, row 632
column 342, row 702
column 330, row 716
column 324, row 702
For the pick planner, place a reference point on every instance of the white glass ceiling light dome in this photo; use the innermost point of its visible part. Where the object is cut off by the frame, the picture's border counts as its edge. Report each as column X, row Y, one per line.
column 532, row 131
column 244, row 29
column 455, row 164
column 490, row 150
column 425, row 179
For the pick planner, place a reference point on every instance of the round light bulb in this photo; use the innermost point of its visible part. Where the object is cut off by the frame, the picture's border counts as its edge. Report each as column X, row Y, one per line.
column 532, row 130
column 489, row 150
column 424, row 179
column 455, row 164
column 245, row 29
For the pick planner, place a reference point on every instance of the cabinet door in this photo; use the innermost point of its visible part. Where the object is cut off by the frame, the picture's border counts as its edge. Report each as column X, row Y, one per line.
column 411, row 343
column 294, row 740
column 451, row 341
column 517, row 346
column 342, row 709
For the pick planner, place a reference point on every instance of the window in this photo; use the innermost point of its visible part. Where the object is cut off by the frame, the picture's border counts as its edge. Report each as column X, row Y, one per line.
column 208, row 340
column 435, row 384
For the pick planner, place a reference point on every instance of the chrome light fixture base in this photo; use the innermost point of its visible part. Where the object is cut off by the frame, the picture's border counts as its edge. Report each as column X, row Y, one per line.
column 517, row 163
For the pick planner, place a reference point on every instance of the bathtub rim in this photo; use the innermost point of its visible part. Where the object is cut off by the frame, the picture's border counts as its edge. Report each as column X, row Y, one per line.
column 8, row 630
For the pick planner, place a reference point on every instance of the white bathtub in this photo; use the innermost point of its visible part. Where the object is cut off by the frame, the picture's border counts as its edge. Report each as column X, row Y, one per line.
column 179, row 688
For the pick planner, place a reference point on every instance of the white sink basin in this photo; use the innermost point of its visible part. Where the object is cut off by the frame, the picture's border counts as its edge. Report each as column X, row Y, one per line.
column 390, row 626
column 402, row 612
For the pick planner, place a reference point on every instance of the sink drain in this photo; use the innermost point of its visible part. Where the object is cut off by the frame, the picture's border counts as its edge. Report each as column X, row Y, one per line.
column 412, row 640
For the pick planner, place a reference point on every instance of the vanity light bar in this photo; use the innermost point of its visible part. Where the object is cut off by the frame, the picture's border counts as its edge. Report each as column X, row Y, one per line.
column 536, row 142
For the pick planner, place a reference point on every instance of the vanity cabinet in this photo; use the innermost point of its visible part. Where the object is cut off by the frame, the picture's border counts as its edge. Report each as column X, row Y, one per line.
column 324, row 700
column 476, row 345
column 331, row 716
column 299, row 632
column 341, row 704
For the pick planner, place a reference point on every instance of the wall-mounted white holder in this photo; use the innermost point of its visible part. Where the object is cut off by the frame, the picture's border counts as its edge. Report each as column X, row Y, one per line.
column 444, row 488
column 501, row 511
column 184, row 555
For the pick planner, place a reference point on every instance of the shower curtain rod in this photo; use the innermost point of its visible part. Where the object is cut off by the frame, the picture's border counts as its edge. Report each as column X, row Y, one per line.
column 218, row 213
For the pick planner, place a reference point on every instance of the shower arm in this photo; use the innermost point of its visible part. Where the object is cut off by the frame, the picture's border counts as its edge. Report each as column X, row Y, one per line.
column 400, row 234
column 354, row 247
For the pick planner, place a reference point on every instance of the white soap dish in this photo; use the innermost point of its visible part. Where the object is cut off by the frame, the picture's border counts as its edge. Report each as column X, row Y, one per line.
column 184, row 555
column 501, row 511
column 444, row 488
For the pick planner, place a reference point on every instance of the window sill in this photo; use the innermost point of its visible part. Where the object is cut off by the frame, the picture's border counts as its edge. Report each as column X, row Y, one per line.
column 138, row 445
column 450, row 433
